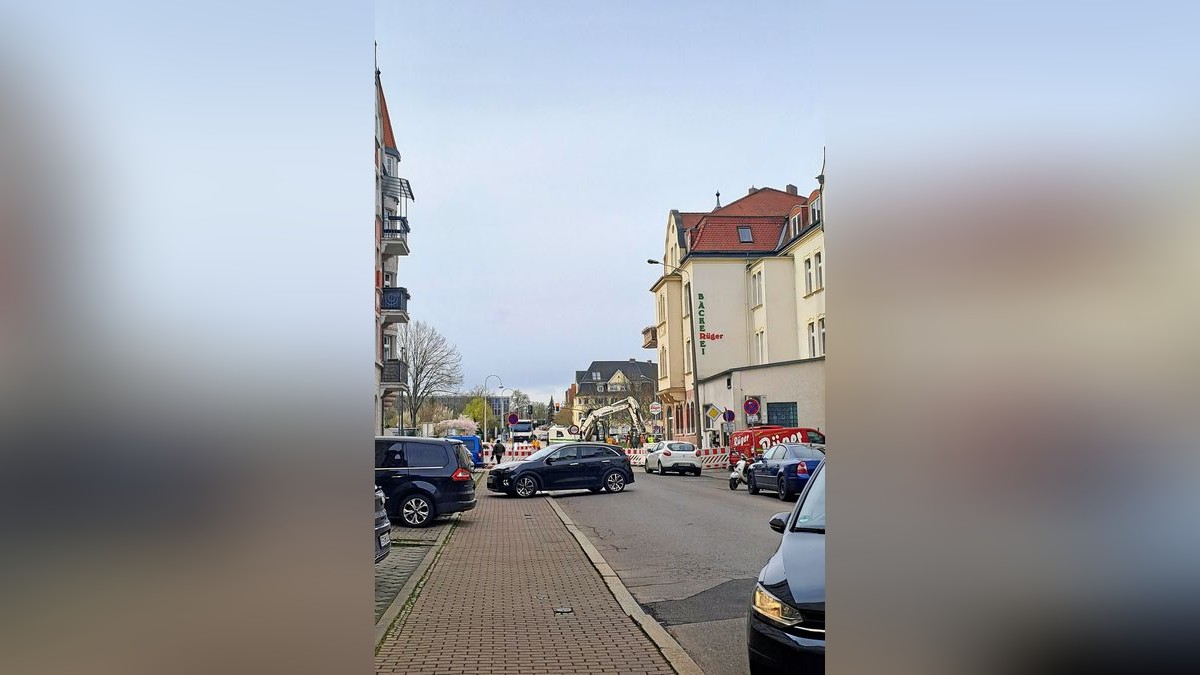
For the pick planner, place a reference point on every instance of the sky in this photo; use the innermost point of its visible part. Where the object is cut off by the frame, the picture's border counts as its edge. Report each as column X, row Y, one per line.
column 547, row 147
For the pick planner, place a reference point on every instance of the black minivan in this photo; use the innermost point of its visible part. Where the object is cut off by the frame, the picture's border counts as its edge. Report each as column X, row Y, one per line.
column 423, row 478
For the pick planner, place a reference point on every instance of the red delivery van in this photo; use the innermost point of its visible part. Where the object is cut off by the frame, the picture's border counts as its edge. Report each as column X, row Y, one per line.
column 754, row 441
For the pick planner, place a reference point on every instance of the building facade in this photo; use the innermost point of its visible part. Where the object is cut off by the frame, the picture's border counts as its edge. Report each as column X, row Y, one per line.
column 606, row 382
column 392, row 196
column 742, row 290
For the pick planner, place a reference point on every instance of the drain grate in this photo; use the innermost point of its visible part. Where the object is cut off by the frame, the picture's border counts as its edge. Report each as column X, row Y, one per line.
column 563, row 610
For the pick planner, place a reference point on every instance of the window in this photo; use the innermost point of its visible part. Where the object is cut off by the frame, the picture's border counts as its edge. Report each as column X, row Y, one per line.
column 815, row 209
column 595, row 376
column 680, row 447
column 595, row 452
column 687, row 356
column 795, row 225
column 808, row 276
column 783, row 414
column 389, row 455
column 804, row 452
column 811, row 514
column 744, row 234
column 820, row 269
column 687, row 299
column 812, row 338
column 565, row 453
column 773, row 453
column 760, row 347
column 821, row 332
column 756, row 289
column 389, row 347
column 388, row 278
column 425, row 456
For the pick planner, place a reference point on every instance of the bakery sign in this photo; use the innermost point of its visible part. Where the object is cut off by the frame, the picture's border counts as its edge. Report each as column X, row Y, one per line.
column 705, row 335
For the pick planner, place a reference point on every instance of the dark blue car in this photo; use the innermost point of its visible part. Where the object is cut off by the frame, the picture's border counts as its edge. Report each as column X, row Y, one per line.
column 784, row 469
column 594, row 466
column 423, row 478
column 785, row 628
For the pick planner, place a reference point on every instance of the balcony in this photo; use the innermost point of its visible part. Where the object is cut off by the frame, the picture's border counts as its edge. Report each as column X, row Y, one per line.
column 650, row 337
column 396, row 187
column 394, row 239
column 395, row 375
column 393, row 305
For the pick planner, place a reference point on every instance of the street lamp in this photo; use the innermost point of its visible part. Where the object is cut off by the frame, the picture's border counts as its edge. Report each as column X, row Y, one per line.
column 695, row 364
column 486, row 403
column 656, row 398
column 502, row 389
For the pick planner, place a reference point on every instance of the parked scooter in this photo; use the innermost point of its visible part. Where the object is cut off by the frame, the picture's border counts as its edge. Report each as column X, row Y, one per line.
column 738, row 475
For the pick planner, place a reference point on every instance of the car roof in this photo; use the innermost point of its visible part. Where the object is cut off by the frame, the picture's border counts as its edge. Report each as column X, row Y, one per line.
column 423, row 439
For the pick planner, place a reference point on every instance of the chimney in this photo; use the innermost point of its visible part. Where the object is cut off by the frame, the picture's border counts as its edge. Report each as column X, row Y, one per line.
column 791, row 189
column 752, row 191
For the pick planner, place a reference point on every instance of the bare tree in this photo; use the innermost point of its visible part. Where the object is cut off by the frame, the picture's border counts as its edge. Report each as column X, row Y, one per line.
column 434, row 366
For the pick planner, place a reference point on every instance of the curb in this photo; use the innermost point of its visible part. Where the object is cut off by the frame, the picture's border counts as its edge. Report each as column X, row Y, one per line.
column 402, row 597
column 671, row 650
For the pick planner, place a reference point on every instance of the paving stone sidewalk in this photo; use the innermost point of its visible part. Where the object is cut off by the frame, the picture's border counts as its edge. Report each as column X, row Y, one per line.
column 489, row 604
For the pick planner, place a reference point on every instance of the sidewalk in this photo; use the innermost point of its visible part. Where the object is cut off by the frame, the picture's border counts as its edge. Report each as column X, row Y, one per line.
column 489, row 604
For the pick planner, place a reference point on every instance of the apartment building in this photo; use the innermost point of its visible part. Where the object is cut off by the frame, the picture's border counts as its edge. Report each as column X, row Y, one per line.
column 741, row 286
column 392, row 197
column 606, row 382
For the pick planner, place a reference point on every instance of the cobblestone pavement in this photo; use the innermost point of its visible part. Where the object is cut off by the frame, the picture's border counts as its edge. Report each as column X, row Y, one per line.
column 409, row 547
column 513, row 593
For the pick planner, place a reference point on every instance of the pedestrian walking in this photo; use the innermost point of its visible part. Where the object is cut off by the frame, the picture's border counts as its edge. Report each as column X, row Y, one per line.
column 498, row 452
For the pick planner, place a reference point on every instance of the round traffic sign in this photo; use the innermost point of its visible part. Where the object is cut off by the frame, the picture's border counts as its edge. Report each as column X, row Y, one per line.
column 655, row 408
column 729, row 416
column 750, row 406
column 513, row 418
column 574, row 429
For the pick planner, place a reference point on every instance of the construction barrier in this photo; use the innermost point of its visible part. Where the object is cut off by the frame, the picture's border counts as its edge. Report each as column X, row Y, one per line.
column 711, row 458
column 714, row 458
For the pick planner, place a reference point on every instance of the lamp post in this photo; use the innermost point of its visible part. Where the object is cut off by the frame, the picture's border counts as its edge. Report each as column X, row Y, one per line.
column 502, row 389
column 486, row 403
column 699, row 422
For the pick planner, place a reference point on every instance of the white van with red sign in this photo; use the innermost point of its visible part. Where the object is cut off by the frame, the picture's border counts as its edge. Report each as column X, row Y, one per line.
column 752, row 442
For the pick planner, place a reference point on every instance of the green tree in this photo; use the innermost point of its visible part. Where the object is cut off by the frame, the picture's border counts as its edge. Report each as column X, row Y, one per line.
column 563, row 417
column 474, row 409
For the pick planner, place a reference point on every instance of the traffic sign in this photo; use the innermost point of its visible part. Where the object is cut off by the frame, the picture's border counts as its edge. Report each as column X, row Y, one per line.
column 655, row 408
column 513, row 418
column 730, row 416
column 713, row 414
column 750, row 406
column 574, row 429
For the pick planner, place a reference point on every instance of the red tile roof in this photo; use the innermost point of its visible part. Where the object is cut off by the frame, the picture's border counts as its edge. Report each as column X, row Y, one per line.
column 764, row 202
column 765, row 212
column 389, row 139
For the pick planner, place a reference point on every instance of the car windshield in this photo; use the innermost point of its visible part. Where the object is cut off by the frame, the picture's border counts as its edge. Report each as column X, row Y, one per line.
column 522, row 427
column 544, row 452
column 803, row 452
column 810, row 513
column 816, row 437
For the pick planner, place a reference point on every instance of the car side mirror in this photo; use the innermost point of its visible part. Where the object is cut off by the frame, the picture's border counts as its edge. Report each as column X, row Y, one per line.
column 779, row 521
column 551, row 460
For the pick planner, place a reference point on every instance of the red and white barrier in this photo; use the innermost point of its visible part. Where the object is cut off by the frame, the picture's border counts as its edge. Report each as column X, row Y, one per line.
column 713, row 458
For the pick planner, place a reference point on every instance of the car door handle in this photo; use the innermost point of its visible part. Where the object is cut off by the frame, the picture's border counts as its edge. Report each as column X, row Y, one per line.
column 573, row 464
column 607, row 461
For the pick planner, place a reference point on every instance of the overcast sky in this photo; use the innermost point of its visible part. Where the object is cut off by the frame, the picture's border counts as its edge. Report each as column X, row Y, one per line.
column 546, row 148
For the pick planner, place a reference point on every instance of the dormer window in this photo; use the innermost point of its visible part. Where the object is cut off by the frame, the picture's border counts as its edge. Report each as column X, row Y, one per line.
column 595, row 376
column 795, row 224
column 744, row 234
column 815, row 209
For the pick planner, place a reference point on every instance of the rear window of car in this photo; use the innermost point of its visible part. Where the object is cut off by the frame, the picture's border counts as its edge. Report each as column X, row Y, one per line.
column 425, row 456
column 465, row 461
column 816, row 437
column 681, row 447
column 804, row 452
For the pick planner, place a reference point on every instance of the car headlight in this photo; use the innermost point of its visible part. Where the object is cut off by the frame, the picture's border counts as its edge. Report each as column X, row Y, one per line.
column 775, row 609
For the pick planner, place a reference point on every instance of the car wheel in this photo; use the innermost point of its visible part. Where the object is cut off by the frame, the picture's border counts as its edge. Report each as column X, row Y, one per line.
column 784, row 495
column 614, row 481
column 647, row 468
column 751, row 486
column 526, row 486
column 662, row 470
column 696, row 471
column 416, row 511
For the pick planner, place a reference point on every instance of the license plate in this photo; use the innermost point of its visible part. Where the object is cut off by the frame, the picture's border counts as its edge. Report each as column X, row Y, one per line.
column 384, row 541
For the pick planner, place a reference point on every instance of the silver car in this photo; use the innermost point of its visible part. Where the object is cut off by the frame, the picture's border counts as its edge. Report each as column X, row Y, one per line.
column 672, row 456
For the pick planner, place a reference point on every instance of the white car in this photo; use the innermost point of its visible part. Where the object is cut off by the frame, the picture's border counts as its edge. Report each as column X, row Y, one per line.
column 672, row 456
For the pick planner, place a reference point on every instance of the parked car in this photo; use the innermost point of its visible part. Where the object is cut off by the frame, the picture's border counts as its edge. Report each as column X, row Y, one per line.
column 785, row 627
column 383, row 527
column 595, row 466
column 784, row 468
column 423, row 478
column 753, row 442
column 672, row 456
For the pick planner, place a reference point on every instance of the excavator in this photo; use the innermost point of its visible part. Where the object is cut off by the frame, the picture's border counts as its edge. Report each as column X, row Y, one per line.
column 591, row 422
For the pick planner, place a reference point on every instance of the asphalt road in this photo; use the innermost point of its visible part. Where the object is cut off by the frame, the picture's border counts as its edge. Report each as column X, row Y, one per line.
column 689, row 550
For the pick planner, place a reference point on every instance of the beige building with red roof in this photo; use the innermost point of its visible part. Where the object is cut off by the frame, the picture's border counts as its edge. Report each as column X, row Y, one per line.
column 392, row 195
column 741, row 294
